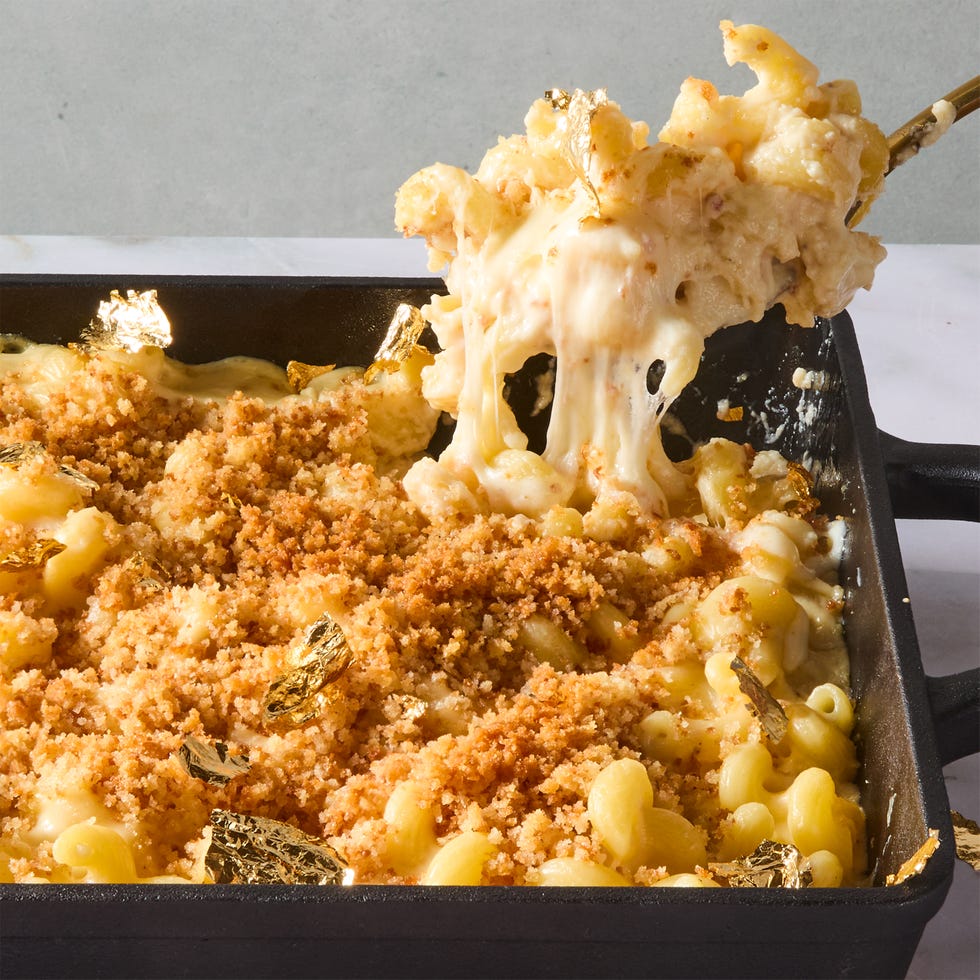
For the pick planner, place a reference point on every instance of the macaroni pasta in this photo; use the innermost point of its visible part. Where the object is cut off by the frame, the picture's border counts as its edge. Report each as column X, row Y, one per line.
column 536, row 684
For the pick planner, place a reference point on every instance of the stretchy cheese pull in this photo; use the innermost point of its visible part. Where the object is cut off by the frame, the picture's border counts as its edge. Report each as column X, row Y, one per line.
column 623, row 254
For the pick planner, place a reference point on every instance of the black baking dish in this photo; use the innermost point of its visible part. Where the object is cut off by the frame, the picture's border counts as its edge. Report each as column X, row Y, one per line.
column 908, row 724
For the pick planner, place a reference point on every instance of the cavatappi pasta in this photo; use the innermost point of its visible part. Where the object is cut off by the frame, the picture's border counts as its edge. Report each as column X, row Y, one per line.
column 539, row 682
column 536, row 701
column 581, row 240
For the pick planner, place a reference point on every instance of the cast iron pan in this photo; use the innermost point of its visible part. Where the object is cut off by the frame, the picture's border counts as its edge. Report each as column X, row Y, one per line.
column 908, row 724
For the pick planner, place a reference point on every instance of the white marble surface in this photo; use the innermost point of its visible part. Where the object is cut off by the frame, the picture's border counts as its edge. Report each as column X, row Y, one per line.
column 919, row 331
column 213, row 256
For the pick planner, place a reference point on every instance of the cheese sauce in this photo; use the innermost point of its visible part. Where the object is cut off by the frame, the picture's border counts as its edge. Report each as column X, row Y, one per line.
column 626, row 254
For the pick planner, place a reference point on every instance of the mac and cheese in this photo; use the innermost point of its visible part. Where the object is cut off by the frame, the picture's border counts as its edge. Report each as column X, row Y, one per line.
column 527, row 701
column 537, row 685
column 583, row 241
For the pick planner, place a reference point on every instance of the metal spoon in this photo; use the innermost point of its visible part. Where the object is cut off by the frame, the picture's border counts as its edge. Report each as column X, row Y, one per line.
column 919, row 131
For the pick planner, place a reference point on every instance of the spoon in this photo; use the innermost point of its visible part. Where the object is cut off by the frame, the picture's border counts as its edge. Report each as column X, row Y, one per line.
column 921, row 131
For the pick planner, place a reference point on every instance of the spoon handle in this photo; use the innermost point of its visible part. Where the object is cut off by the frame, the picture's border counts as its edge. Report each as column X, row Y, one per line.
column 920, row 131
column 909, row 138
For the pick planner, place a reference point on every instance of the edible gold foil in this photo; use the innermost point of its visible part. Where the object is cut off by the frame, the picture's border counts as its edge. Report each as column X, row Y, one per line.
column 80, row 478
column 558, row 98
column 799, row 484
column 323, row 657
column 412, row 707
column 212, row 763
column 152, row 573
column 299, row 375
column 400, row 342
column 576, row 144
column 800, row 480
column 770, row 865
column 33, row 556
column 18, row 452
column 764, row 706
column 967, row 835
column 246, row 850
column 917, row 862
column 129, row 323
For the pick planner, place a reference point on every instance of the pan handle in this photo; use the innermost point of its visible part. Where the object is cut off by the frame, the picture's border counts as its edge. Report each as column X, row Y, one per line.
column 954, row 701
column 932, row 482
column 940, row 482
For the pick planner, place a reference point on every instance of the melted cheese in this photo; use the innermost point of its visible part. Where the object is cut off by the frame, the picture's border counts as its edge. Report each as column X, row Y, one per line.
column 630, row 255
column 42, row 370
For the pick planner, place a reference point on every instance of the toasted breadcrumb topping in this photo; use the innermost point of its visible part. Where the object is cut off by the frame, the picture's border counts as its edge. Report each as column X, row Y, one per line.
column 236, row 523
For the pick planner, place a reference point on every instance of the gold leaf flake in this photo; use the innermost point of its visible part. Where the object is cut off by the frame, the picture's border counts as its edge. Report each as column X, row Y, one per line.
column 152, row 573
column 770, row 865
column 800, row 479
column 558, row 98
column 299, row 375
column 400, row 342
column 917, row 862
column 212, row 763
column 129, row 323
column 412, row 708
column 17, row 452
column 967, row 835
column 796, row 490
column 731, row 413
column 323, row 657
column 247, row 850
column 34, row 556
column 293, row 698
column 764, row 706
column 576, row 144
column 86, row 483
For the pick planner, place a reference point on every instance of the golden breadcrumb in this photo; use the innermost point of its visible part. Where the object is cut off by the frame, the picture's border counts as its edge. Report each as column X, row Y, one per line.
column 239, row 522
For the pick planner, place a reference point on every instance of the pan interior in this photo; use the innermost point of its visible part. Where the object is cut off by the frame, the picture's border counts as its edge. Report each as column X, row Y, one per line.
column 750, row 366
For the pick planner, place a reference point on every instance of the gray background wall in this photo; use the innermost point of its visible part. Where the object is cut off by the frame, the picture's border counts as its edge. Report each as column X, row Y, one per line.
column 255, row 117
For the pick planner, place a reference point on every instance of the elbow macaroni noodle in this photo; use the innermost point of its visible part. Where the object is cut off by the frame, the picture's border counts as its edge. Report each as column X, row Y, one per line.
column 540, row 688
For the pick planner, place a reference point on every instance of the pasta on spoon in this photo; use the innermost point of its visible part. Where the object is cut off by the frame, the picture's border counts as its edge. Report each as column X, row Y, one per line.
column 583, row 241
